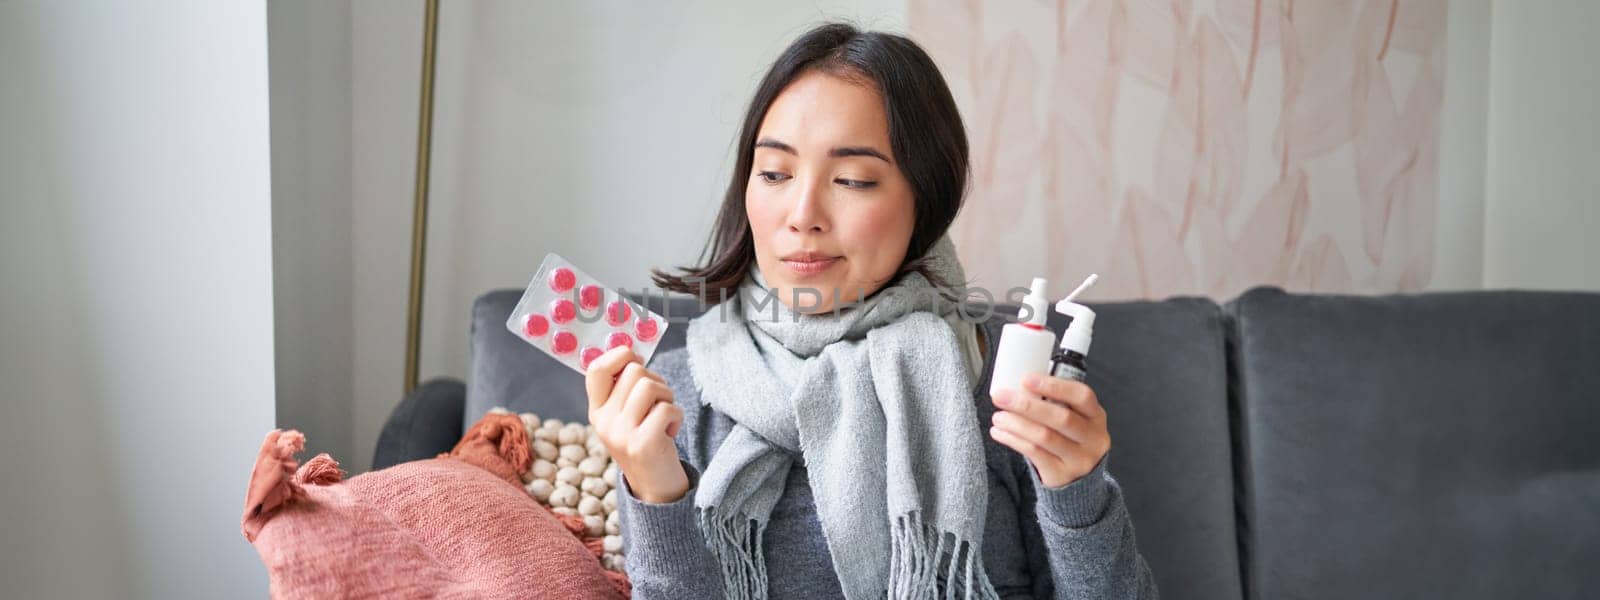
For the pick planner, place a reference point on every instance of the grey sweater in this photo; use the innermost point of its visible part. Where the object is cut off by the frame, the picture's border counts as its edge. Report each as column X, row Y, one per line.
column 1074, row 541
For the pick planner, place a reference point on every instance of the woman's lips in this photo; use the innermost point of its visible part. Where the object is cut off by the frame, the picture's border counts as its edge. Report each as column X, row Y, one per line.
column 810, row 266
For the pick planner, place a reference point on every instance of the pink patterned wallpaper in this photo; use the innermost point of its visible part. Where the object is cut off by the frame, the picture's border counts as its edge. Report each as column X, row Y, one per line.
column 1194, row 147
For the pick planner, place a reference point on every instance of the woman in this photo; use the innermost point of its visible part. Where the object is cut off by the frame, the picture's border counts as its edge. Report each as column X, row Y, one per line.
column 826, row 431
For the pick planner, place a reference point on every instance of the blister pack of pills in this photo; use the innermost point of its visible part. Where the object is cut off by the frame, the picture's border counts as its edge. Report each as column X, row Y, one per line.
column 575, row 318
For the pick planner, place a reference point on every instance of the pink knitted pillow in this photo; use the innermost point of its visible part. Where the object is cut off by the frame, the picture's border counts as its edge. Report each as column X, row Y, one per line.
column 438, row 528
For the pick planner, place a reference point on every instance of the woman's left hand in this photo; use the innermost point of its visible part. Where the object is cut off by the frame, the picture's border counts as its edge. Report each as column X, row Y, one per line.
column 1064, row 439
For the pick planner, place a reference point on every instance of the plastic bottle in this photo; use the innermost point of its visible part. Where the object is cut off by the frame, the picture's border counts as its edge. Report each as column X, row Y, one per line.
column 1024, row 346
column 1070, row 360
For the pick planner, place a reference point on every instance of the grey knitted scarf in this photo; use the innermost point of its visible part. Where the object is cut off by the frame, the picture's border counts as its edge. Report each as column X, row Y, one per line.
column 875, row 400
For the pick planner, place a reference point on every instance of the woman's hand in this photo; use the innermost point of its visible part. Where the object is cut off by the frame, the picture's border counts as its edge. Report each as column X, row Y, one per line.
column 632, row 411
column 1063, row 441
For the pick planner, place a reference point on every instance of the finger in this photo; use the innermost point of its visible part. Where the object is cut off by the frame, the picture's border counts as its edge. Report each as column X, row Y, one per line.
column 1042, row 459
column 1075, row 394
column 653, row 375
column 632, row 374
column 664, row 417
column 1077, row 459
column 643, row 371
column 1050, row 414
column 601, row 377
column 1036, row 433
column 645, row 394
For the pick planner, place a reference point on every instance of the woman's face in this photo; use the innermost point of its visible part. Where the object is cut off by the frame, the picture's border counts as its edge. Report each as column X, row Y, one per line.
column 828, row 206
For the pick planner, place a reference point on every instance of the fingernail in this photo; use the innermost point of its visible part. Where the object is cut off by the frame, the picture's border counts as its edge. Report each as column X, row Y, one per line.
column 1030, row 379
column 1002, row 398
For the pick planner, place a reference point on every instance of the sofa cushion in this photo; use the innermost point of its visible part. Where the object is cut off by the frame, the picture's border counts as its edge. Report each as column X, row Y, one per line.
column 1160, row 371
column 457, row 526
column 1441, row 445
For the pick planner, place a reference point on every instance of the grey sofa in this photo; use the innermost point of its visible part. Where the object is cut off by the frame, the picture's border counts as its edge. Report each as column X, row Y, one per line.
column 1441, row 445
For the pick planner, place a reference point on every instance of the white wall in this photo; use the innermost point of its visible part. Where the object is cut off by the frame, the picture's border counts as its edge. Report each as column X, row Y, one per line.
column 309, row 58
column 386, row 58
column 1542, row 224
column 136, row 323
column 1463, row 128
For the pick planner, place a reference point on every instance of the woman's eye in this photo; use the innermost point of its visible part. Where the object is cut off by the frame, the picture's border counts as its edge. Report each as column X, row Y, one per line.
column 772, row 176
column 856, row 184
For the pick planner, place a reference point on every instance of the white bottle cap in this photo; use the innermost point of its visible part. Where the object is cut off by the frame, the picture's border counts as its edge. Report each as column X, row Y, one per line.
column 1036, row 300
column 1081, row 330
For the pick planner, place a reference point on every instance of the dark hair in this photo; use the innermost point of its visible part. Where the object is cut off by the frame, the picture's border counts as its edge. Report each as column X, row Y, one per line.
column 926, row 137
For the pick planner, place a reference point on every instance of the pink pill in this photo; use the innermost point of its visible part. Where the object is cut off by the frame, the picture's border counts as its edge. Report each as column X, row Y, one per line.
column 563, row 342
column 562, row 279
column 589, row 354
column 618, row 338
column 617, row 313
column 535, row 325
column 562, row 311
column 590, row 296
column 647, row 329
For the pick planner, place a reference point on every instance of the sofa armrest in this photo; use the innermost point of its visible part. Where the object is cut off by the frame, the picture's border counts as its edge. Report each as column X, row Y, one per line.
column 425, row 423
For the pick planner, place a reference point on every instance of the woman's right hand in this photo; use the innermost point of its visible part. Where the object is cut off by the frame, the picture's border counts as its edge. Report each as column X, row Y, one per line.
column 632, row 411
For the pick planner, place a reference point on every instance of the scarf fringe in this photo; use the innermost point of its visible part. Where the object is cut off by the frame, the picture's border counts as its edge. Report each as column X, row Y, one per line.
column 951, row 565
column 736, row 544
column 924, row 562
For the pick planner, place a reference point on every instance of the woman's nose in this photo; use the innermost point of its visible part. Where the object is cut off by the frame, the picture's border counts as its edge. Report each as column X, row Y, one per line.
column 809, row 213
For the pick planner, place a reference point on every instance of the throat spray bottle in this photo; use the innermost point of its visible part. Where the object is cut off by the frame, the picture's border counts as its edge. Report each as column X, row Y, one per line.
column 1069, row 360
column 1025, row 345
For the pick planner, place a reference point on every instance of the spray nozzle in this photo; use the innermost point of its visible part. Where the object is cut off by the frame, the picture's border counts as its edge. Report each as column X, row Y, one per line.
column 1036, row 303
column 1080, row 327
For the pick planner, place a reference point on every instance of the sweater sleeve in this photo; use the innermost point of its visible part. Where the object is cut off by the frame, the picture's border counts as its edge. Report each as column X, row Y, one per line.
column 1089, row 538
column 665, row 554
